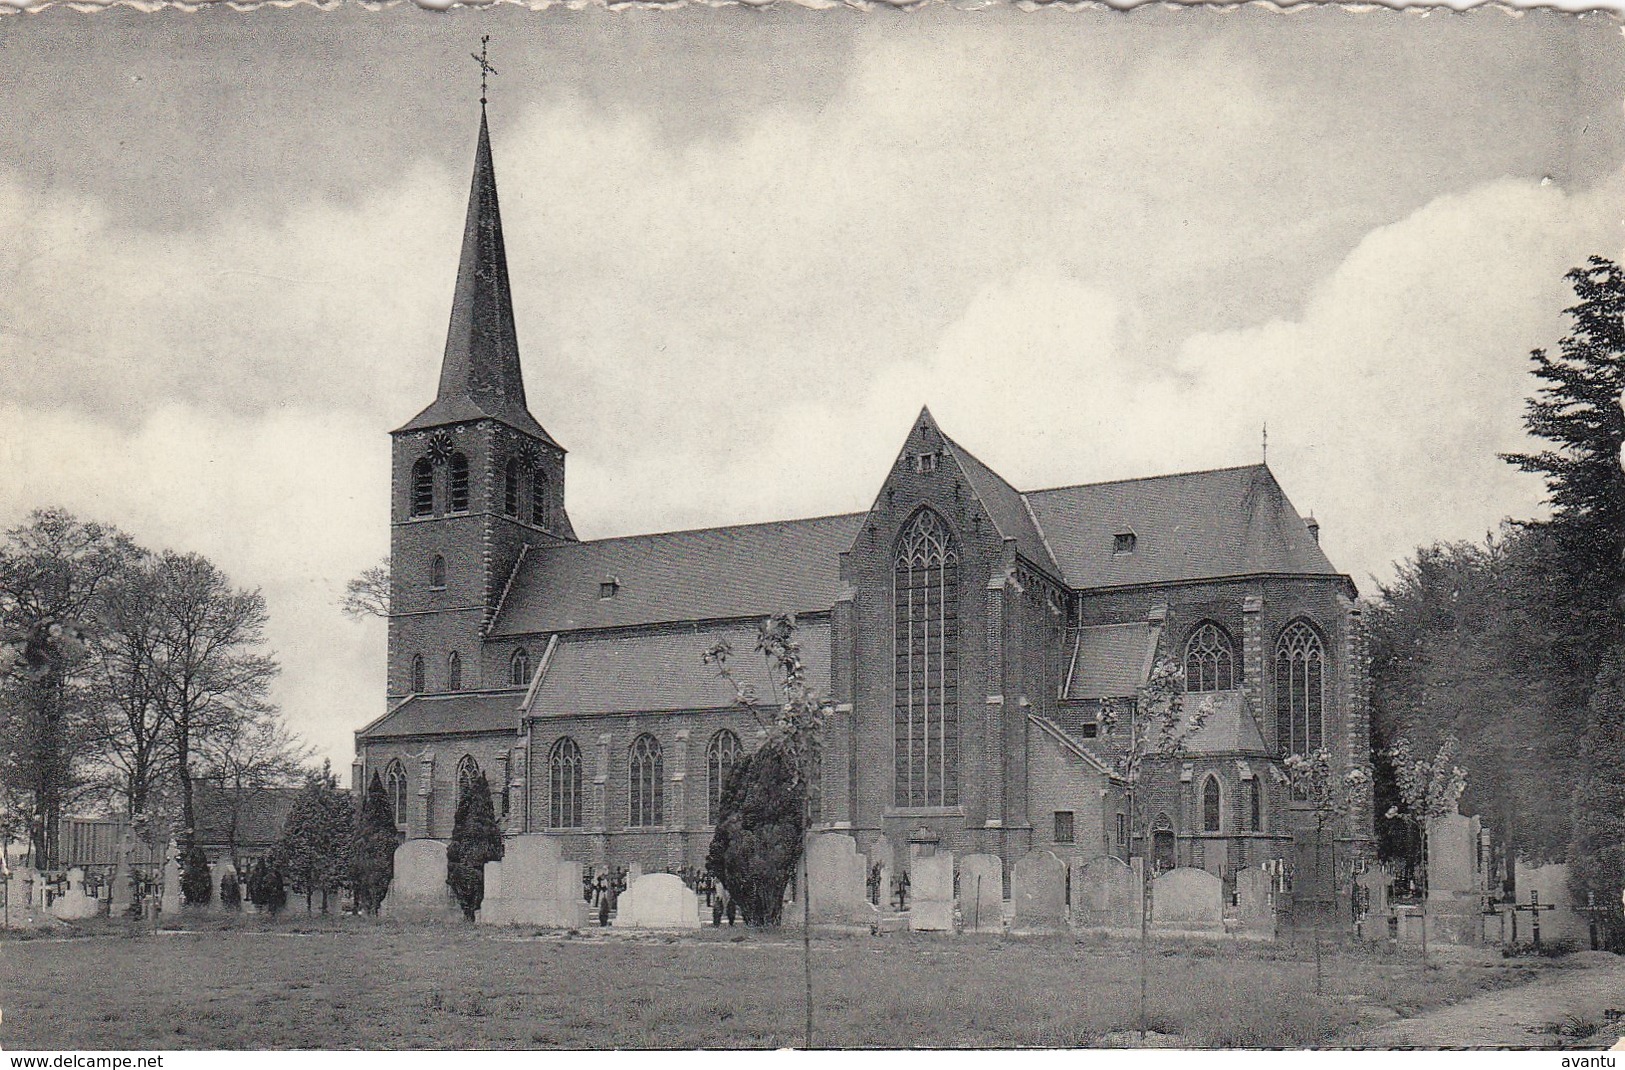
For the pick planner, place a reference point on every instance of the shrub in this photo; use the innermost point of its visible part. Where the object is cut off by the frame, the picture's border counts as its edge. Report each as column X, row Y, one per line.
column 231, row 895
column 265, row 887
column 476, row 839
column 197, row 881
column 759, row 833
column 372, row 849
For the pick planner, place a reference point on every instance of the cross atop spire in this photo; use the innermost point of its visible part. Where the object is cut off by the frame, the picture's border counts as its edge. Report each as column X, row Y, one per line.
column 479, row 375
column 485, row 66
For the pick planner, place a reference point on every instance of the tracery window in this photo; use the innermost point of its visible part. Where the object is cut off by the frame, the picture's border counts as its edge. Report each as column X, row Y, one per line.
column 468, row 771
column 419, row 683
column 422, row 488
column 926, row 644
column 1210, row 804
column 720, row 755
column 1210, row 659
column 564, row 784
column 459, row 483
column 395, row 785
column 540, row 511
column 644, row 796
column 510, row 488
column 454, row 671
column 1300, row 689
column 519, row 668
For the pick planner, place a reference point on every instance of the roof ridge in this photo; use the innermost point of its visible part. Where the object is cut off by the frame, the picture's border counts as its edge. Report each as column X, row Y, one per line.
column 1148, row 479
column 700, row 530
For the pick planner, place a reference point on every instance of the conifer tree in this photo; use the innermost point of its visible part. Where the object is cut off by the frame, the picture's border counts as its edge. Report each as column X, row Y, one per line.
column 476, row 839
column 372, row 849
column 197, row 880
column 316, row 838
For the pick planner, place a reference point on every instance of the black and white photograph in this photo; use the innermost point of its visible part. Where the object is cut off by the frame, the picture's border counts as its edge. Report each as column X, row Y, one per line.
column 830, row 525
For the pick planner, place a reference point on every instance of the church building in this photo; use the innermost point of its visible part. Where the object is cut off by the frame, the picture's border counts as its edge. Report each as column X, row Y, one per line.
column 966, row 632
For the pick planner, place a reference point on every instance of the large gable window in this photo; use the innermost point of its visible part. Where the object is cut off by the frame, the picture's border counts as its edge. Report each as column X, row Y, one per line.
column 925, row 717
column 720, row 755
column 646, row 805
column 1300, row 689
column 1210, row 659
column 564, row 785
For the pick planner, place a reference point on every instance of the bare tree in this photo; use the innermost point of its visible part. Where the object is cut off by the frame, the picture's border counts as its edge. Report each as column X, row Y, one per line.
column 368, row 594
column 248, row 754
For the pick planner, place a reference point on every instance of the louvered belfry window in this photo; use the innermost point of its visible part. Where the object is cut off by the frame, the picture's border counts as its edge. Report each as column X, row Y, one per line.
column 422, row 488
column 926, row 641
column 564, row 783
column 1300, row 689
column 459, row 483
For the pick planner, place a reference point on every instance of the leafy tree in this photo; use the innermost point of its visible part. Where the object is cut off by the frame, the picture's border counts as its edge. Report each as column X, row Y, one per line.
column 314, row 846
column 372, row 850
column 197, row 881
column 1597, row 857
column 367, row 595
column 1155, row 735
column 52, row 572
column 1429, row 788
column 476, row 839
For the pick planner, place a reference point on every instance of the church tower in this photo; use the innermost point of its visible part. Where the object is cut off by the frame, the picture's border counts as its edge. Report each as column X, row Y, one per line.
column 476, row 481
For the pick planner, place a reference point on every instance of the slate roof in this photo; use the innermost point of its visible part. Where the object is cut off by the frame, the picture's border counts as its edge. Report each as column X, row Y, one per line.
column 1196, row 525
column 260, row 814
column 479, row 376
column 708, row 574
column 1108, row 660
column 1006, row 507
column 460, row 711
column 1230, row 728
column 663, row 670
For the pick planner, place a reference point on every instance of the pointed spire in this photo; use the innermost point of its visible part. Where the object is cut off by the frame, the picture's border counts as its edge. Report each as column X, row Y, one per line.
column 479, row 375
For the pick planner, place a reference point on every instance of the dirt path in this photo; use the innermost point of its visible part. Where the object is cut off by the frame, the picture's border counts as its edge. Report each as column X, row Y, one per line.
column 1527, row 1016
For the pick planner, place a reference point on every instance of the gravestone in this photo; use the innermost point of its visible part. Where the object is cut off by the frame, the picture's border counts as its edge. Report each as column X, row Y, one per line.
column 981, row 894
column 1105, row 893
column 73, row 904
column 1255, row 909
column 1373, row 885
column 21, row 911
column 1455, row 880
column 658, row 901
column 170, row 899
column 1038, row 892
column 931, row 892
column 1551, row 884
column 418, row 889
column 217, row 873
column 1187, row 900
column 633, row 872
column 533, row 885
column 837, row 877
column 121, row 897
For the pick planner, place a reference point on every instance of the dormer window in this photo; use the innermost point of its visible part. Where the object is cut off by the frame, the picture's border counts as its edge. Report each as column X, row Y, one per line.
column 608, row 588
column 1123, row 542
column 925, row 462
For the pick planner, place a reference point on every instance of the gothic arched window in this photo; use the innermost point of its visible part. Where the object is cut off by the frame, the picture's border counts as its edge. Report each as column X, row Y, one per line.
column 468, row 771
column 1300, row 689
column 564, row 784
column 925, row 719
column 1210, row 659
column 645, row 803
column 437, row 572
column 454, row 671
column 510, row 488
column 540, row 505
column 1255, row 805
column 422, row 488
column 395, row 785
column 419, row 683
column 459, row 483
column 720, row 755
column 1210, row 804
column 519, row 668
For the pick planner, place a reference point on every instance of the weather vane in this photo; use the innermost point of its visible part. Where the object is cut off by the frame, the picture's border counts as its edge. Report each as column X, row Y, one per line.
column 485, row 66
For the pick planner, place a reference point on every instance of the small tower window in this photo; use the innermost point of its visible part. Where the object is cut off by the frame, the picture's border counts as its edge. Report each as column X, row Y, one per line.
column 510, row 488
column 419, row 684
column 1123, row 542
column 519, row 668
column 1255, row 806
column 459, row 483
column 540, row 505
column 1064, row 829
column 422, row 488
column 437, row 573
column 454, row 671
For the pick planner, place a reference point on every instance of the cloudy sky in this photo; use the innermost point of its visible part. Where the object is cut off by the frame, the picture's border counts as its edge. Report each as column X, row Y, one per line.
column 747, row 245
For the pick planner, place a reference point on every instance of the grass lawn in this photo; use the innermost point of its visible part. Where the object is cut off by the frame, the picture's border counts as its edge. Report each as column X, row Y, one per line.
column 356, row 983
